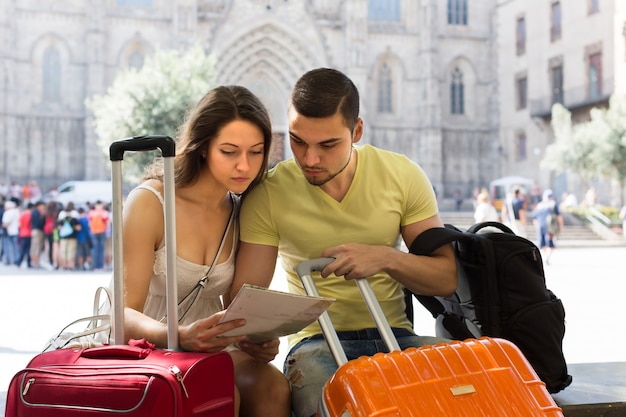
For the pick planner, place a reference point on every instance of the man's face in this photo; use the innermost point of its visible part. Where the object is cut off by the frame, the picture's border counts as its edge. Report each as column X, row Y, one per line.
column 322, row 147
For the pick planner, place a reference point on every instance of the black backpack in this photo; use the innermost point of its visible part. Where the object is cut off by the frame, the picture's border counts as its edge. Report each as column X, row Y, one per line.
column 501, row 293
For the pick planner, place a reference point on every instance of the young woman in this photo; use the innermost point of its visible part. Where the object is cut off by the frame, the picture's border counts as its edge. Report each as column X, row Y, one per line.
column 222, row 151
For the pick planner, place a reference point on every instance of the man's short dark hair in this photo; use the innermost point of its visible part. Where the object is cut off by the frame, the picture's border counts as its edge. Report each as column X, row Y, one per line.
column 322, row 92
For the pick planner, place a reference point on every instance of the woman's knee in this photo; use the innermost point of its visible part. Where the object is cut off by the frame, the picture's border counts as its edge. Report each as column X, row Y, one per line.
column 277, row 387
column 264, row 389
column 262, row 377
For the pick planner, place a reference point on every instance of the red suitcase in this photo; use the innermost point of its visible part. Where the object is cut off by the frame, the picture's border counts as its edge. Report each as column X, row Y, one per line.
column 122, row 380
column 476, row 377
column 127, row 380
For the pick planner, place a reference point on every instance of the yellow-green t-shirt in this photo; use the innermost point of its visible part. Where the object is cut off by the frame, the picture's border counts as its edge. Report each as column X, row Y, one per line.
column 388, row 191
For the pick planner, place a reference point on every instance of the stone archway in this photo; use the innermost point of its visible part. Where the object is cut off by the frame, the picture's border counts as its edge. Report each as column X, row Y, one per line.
column 267, row 60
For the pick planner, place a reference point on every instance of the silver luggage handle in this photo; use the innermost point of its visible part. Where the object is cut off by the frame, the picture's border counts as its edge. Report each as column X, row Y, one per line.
column 167, row 145
column 304, row 271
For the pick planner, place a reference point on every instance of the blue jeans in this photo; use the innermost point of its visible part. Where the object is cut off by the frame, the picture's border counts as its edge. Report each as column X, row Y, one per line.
column 99, row 242
column 544, row 238
column 10, row 249
column 24, row 251
column 309, row 364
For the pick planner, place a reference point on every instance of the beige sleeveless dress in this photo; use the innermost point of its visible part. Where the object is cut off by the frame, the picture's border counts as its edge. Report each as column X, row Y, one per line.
column 201, row 301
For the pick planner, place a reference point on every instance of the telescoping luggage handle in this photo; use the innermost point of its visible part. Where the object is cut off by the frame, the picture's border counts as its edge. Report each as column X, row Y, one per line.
column 116, row 153
column 304, row 270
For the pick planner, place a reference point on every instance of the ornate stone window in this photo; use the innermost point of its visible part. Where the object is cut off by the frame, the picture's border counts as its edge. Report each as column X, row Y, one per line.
column 51, row 75
column 457, row 93
column 457, row 12
column 384, row 10
column 136, row 60
column 385, row 90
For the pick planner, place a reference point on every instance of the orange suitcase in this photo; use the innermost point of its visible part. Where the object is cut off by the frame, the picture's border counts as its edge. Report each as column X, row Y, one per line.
column 475, row 377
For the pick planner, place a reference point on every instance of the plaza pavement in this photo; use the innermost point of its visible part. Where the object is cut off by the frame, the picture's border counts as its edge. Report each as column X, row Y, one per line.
column 589, row 277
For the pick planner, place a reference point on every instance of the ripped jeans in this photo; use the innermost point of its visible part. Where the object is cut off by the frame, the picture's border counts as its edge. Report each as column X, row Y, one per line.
column 309, row 364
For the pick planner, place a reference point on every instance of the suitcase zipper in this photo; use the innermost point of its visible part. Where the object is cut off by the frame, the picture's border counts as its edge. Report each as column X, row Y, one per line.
column 179, row 376
column 30, row 382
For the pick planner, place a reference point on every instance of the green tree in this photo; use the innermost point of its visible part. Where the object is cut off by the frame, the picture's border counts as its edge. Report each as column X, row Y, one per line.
column 592, row 149
column 152, row 100
column 611, row 126
column 571, row 148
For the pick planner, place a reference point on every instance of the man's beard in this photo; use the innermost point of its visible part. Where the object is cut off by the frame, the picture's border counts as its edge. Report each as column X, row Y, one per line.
column 323, row 181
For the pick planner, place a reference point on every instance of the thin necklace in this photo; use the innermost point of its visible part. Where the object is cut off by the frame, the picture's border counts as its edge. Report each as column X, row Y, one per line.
column 195, row 291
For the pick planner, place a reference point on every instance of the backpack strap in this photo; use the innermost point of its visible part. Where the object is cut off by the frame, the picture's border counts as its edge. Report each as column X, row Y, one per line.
column 500, row 226
column 425, row 244
column 432, row 239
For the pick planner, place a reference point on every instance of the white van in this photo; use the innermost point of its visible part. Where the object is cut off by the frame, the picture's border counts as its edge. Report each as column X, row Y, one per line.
column 498, row 189
column 82, row 192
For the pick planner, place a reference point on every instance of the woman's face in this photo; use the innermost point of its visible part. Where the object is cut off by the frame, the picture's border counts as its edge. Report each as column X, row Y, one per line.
column 235, row 155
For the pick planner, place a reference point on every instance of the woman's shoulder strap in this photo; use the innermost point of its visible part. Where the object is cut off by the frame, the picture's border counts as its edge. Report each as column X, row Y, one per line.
column 153, row 190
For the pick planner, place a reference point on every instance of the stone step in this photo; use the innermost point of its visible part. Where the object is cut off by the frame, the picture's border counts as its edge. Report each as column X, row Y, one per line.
column 571, row 232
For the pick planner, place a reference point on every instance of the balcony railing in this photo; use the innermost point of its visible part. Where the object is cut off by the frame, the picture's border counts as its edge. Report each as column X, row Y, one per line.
column 573, row 99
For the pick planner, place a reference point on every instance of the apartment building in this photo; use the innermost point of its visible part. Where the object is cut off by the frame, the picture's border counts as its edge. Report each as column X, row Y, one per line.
column 555, row 51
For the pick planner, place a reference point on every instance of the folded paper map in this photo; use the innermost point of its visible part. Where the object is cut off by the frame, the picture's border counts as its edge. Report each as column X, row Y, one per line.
column 270, row 314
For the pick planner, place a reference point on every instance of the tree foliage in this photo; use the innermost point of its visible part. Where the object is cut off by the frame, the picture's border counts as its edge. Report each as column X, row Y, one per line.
column 152, row 100
column 614, row 129
column 592, row 149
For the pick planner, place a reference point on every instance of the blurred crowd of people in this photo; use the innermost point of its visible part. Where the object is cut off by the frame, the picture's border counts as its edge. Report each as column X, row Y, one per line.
column 520, row 205
column 39, row 232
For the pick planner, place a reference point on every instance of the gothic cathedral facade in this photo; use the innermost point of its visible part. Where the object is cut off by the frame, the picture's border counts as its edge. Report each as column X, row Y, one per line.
column 426, row 70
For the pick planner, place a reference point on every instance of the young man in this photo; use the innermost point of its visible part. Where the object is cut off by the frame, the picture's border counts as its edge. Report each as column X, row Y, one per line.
column 334, row 199
column 98, row 222
column 516, row 219
column 24, row 236
column 546, row 208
